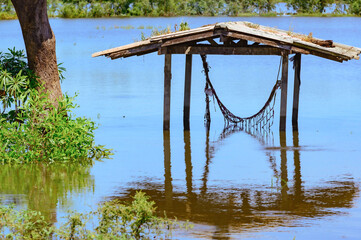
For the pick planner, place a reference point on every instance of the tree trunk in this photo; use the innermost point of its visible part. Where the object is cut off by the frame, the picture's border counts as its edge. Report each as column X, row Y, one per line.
column 40, row 43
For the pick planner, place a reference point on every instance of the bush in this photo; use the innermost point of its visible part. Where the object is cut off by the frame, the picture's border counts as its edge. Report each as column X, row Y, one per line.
column 355, row 7
column 25, row 224
column 7, row 16
column 112, row 220
column 72, row 10
column 16, row 82
column 45, row 133
column 33, row 129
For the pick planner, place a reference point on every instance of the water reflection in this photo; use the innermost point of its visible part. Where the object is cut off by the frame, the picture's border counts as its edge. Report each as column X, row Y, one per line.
column 189, row 172
column 297, row 174
column 168, row 187
column 248, row 206
column 42, row 187
column 284, row 175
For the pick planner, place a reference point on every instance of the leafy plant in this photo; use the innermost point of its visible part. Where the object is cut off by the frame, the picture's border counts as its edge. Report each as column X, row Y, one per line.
column 156, row 31
column 112, row 220
column 16, row 82
column 32, row 128
column 355, row 7
column 45, row 133
column 184, row 26
column 24, row 224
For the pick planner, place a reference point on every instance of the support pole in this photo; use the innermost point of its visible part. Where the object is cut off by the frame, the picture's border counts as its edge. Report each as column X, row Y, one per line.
column 167, row 87
column 187, row 91
column 284, row 91
column 296, row 90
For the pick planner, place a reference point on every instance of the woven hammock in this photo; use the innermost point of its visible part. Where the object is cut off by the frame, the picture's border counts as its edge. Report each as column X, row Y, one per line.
column 263, row 119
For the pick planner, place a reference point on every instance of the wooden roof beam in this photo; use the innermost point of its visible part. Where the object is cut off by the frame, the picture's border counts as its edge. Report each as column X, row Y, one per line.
column 212, row 42
column 293, row 49
column 220, row 50
column 324, row 53
column 266, row 42
column 135, row 51
column 242, row 43
column 191, row 38
column 227, row 41
column 237, row 34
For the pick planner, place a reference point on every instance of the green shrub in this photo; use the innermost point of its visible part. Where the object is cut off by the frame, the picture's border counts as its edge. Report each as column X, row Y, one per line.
column 71, row 10
column 112, row 220
column 67, row 10
column 33, row 129
column 355, row 7
column 141, row 8
column 16, row 82
column 25, row 224
column 7, row 15
column 45, row 133
column 96, row 10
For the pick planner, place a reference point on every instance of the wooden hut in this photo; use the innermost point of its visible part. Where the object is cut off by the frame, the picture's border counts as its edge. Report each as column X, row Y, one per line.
column 234, row 38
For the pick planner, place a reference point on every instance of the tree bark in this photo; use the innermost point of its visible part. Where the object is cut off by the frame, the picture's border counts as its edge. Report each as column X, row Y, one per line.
column 40, row 43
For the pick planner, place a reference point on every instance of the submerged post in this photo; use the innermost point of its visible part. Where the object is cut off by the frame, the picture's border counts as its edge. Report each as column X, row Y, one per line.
column 284, row 82
column 296, row 90
column 187, row 91
column 167, row 87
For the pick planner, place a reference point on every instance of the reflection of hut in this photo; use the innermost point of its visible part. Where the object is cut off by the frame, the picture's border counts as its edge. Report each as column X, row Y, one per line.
column 246, row 206
column 234, row 38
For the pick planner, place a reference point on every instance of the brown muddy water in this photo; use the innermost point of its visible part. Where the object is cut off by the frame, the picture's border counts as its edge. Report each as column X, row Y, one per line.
column 229, row 185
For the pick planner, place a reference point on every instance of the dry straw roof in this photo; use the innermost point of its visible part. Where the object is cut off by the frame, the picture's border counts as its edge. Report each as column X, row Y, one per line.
column 235, row 38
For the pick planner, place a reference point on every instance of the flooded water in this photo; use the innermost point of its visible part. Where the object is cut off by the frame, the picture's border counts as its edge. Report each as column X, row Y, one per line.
column 230, row 185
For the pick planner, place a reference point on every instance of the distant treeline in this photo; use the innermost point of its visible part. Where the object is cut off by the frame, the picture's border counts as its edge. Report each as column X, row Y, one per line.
column 119, row 8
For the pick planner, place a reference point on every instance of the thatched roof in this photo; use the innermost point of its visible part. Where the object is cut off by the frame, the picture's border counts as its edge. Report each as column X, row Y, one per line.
column 238, row 38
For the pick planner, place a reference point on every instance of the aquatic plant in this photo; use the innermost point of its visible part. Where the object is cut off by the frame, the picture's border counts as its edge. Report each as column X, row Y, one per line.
column 127, row 27
column 24, row 224
column 112, row 220
column 156, row 31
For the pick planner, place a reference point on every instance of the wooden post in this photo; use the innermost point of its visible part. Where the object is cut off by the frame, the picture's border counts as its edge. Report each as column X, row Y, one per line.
column 284, row 91
column 296, row 90
column 167, row 87
column 187, row 91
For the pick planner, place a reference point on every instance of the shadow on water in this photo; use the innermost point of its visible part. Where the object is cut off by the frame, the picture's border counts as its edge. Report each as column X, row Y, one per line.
column 43, row 187
column 243, row 207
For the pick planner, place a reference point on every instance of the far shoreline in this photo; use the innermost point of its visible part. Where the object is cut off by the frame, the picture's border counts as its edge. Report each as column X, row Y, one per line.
column 4, row 16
